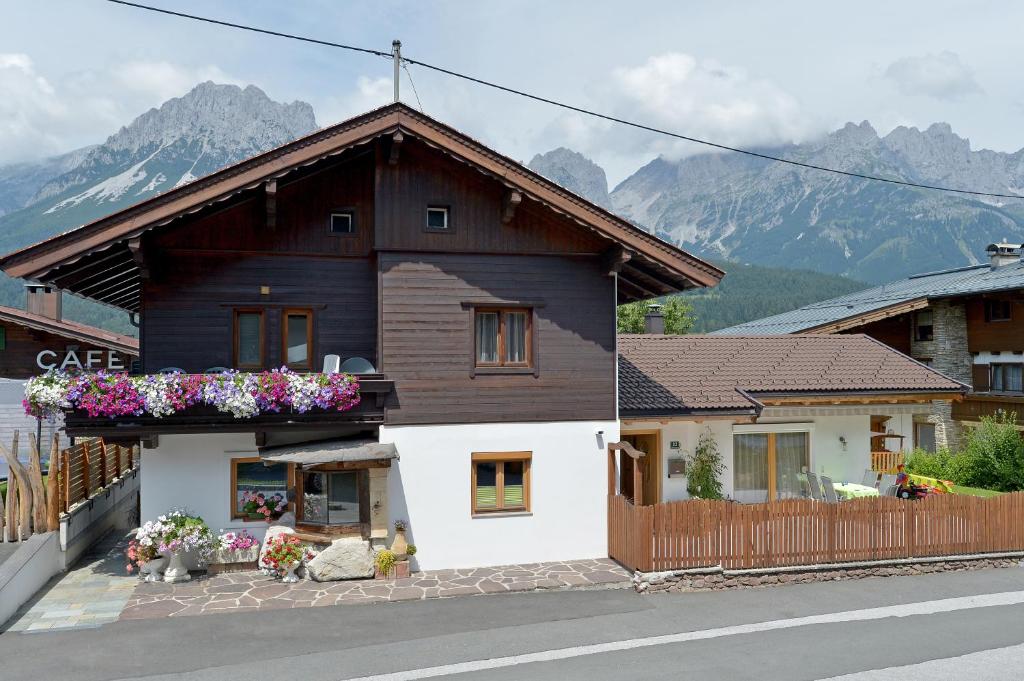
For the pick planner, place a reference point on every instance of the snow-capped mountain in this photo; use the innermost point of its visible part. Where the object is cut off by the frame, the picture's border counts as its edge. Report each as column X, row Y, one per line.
column 185, row 138
column 750, row 210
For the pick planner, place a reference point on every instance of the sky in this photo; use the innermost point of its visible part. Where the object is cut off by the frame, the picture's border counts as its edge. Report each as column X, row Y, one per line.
column 741, row 73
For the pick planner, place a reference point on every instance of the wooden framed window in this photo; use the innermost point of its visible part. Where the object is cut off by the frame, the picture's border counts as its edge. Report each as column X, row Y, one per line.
column 770, row 466
column 255, row 485
column 1007, row 377
column 297, row 339
column 924, row 436
column 998, row 310
column 503, row 337
column 438, row 219
column 334, row 498
column 249, row 339
column 924, row 329
column 342, row 223
column 500, row 482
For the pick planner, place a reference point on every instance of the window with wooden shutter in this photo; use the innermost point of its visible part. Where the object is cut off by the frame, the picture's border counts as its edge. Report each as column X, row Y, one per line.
column 500, row 482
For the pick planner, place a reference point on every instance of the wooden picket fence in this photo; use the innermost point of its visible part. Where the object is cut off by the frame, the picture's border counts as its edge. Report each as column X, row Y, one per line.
column 700, row 533
column 89, row 466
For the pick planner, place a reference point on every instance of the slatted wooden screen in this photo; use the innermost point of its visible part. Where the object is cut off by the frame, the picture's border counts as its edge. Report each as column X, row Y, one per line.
column 698, row 533
column 90, row 466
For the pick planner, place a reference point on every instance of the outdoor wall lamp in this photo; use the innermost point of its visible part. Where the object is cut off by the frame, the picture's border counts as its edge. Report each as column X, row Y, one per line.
column 842, row 441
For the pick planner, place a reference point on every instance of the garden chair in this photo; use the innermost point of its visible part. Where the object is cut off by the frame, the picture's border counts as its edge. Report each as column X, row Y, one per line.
column 888, row 480
column 814, row 486
column 892, row 491
column 870, row 479
column 332, row 364
column 829, row 491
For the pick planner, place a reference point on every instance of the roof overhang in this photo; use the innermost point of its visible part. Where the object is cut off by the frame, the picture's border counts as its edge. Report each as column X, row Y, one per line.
column 330, row 451
column 103, row 260
column 876, row 315
column 78, row 332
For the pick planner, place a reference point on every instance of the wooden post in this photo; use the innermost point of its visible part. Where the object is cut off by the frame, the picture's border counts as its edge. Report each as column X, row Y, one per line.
column 117, row 461
column 85, row 469
column 18, row 472
column 104, row 479
column 11, row 512
column 35, row 474
column 53, row 486
column 638, row 484
column 66, row 478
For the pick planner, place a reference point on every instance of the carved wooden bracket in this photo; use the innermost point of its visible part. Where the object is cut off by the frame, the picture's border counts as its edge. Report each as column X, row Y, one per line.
column 509, row 205
column 614, row 259
column 396, row 147
column 270, row 187
column 139, row 256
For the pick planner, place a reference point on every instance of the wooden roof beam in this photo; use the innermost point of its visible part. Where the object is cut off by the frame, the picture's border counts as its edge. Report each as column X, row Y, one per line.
column 614, row 258
column 509, row 204
column 396, row 148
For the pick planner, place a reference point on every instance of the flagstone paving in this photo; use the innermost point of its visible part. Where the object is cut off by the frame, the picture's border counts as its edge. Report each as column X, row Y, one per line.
column 92, row 593
column 252, row 591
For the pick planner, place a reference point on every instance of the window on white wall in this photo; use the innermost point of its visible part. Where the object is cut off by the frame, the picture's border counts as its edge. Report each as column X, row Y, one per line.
column 1007, row 377
column 770, row 466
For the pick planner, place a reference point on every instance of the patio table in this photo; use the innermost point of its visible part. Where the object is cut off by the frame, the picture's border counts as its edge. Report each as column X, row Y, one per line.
column 851, row 490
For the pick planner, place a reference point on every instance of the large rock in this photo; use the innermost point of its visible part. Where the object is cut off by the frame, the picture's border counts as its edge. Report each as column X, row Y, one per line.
column 283, row 525
column 347, row 558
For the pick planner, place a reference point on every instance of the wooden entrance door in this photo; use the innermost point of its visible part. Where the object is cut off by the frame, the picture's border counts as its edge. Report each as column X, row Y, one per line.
column 648, row 442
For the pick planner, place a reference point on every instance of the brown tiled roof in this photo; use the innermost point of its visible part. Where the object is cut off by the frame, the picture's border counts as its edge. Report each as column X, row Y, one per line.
column 683, row 374
column 73, row 330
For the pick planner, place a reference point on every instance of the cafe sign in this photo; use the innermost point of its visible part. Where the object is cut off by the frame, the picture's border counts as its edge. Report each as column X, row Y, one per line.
column 80, row 359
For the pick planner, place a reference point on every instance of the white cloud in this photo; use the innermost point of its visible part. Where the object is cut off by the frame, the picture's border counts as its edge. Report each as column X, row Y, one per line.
column 697, row 98
column 370, row 93
column 41, row 118
column 942, row 76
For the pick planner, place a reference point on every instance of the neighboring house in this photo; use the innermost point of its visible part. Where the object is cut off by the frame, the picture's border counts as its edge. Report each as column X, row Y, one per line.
column 475, row 299
column 776, row 406
column 968, row 323
column 38, row 338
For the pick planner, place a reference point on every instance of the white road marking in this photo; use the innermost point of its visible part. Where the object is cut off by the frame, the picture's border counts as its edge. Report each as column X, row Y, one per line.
column 907, row 610
column 998, row 664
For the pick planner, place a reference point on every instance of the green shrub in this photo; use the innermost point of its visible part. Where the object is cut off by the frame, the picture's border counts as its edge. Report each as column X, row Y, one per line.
column 930, row 464
column 994, row 452
column 705, row 468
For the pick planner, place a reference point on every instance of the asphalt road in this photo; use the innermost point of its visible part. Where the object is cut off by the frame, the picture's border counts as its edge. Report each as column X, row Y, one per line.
column 967, row 625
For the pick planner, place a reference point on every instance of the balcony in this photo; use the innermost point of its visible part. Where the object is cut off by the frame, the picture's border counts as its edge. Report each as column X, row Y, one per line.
column 976, row 405
column 202, row 418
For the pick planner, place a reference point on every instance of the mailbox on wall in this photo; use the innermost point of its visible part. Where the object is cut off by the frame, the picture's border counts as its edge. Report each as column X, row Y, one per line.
column 676, row 467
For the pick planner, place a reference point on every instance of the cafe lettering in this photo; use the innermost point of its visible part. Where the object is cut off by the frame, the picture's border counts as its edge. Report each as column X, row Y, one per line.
column 80, row 359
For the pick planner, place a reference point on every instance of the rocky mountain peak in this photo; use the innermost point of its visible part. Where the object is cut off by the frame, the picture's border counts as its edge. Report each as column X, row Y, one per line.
column 575, row 172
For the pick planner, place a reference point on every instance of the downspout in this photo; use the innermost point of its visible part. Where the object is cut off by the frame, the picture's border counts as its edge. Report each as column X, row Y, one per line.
column 758, row 405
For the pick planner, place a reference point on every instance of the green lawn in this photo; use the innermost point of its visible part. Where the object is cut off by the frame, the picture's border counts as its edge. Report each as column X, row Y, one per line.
column 975, row 491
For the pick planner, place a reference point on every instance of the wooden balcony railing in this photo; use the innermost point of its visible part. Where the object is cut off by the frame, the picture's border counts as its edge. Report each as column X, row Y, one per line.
column 886, row 462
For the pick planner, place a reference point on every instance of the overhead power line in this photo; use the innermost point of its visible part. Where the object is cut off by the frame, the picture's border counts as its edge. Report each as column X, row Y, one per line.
column 571, row 107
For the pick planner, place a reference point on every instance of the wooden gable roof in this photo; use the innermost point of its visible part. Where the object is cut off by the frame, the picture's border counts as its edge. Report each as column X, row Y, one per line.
column 103, row 259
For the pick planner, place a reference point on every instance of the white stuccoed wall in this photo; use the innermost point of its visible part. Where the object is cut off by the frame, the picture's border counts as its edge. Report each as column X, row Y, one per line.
column 194, row 471
column 827, row 454
column 430, row 487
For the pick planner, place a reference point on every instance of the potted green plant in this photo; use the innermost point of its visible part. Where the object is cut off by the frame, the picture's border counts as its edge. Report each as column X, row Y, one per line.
column 384, row 563
column 399, row 546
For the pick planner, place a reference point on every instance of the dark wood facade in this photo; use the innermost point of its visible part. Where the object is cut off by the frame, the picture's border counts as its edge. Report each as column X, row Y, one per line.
column 21, row 345
column 393, row 292
column 896, row 332
column 985, row 334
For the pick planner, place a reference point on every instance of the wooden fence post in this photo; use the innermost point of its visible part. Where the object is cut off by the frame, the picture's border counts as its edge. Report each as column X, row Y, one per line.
column 117, row 461
column 85, row 469
column 104, row 478
column 18, row 474
column 66, row 478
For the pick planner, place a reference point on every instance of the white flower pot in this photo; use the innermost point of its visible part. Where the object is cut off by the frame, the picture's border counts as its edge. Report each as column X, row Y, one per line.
column 289, row 573
column 176, row 570
column 153, row 570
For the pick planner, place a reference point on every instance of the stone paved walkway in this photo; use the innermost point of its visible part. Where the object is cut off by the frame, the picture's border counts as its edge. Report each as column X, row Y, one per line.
column 90, row 594
column 250, row 591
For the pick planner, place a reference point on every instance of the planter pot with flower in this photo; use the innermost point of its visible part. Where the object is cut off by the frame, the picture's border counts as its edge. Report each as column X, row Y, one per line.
column 236, row 551
column 399, row 546
column 169, row 538
column 285, row 554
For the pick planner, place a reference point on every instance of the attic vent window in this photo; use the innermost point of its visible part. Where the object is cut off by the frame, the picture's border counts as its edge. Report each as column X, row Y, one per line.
column 343, row 222
column 437, row 218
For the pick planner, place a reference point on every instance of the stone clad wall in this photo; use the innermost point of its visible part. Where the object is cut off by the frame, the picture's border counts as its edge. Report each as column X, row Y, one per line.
column 949, row 354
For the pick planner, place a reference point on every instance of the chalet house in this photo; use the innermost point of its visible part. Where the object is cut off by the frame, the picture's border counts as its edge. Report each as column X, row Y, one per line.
column 967, row 322
column 474, row 300
column 775, row 407
column 37, row 338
